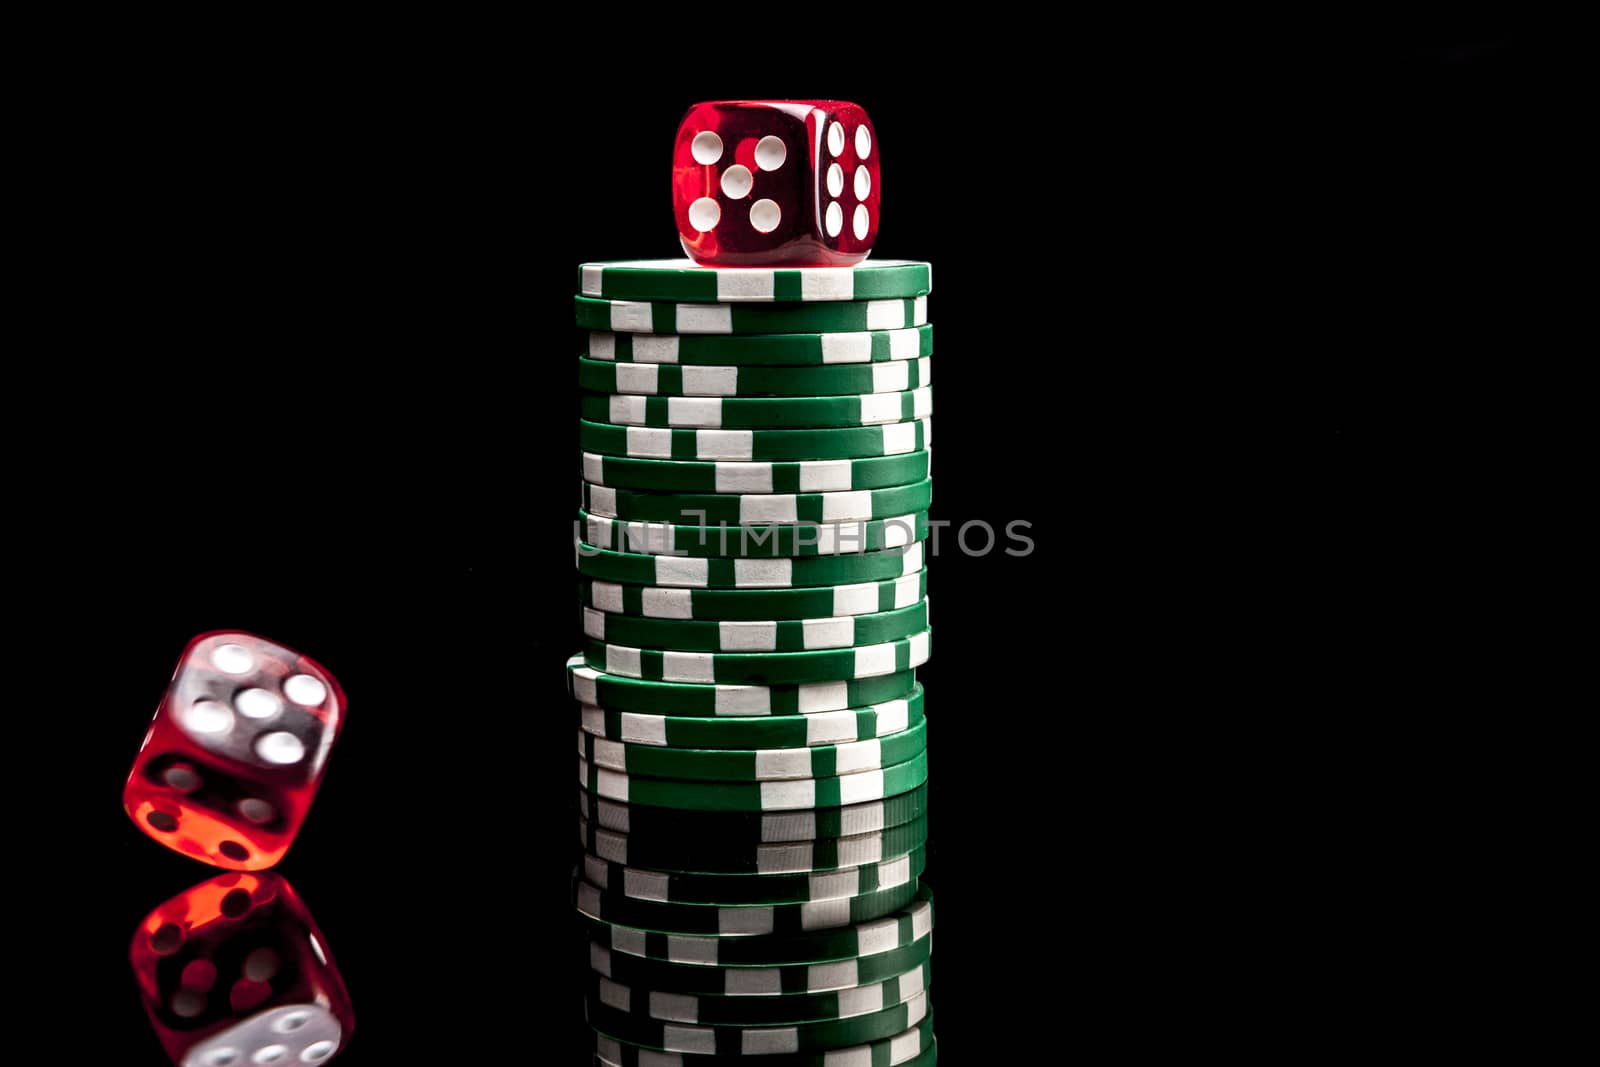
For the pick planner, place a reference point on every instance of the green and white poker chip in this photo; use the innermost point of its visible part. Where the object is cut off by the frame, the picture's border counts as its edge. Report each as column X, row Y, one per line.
column 793, row 794
column 671, row 1005
column 759, row 668
column 796, row 857
column 757, row 412
column 769, row 635
column 764, row 446
column 655, row 379
column 753, row 963
column 762, row 350
column 701, row 572
column 758, row 540
column 699, row 476
column 835, row 316
column 760, row 983
column 738, row 733
column 915, row 1047
column 754, row 765
column 688, row 700
column 702, row 509
column 740, row 920
column 739, row 828
column 797, row 1038
column 662, row 602
column 686, row 281
column 709, row 889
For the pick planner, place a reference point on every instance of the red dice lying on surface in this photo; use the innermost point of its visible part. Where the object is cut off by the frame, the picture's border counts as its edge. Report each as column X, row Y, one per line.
column 235, row 973
column 793, row 183
column 233, row 759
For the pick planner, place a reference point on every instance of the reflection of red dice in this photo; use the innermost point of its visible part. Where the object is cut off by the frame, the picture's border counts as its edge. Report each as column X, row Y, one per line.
column 236, row 751
column 234, row 973
column 759, row 183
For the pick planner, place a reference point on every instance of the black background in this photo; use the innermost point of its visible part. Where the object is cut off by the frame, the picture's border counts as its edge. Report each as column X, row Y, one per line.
column 328, row 311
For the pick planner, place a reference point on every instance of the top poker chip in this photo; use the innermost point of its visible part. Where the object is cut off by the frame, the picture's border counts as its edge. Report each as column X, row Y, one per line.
column 682, row 280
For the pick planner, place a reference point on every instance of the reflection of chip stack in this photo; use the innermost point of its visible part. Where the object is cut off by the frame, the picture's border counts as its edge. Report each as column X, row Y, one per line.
column 753, row 761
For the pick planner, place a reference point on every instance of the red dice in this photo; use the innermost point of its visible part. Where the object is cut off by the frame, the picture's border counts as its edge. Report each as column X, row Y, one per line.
column 776, row 183
column 233, row 759
column 235, row 973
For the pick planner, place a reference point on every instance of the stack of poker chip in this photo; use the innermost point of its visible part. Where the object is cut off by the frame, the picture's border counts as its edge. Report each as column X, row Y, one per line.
column 752, row 742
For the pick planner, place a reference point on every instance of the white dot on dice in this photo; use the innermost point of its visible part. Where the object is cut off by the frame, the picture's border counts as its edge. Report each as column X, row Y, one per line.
column 835, row 179
column 706, row 148
column 736, row 182
column 863, row 183
column 771, row 152
column 765, row 215
column 232, row 659
column 834, row 219
column 863, row 142
column 704, row 214
column 280, row 747
column 835, row 139
column 859, row 224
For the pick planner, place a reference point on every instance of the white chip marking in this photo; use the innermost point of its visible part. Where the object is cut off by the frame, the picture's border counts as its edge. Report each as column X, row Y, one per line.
column 874, row 408
column 904, row 344
column 825, row 475
column 835, row 139
column 743, row 477
column 828, row 284
column 833, row 218
column 863, row 183
column 280, row 747
column 232, row 659
column 704, row 214
column 855, row 599
column 769, row 507
column 723, row 444
column 765, row 215
column 899, row 438
column 748, row 636
column 886, row 314
column 705, row 318
column 736, row 182
column 891, row 377
column 739, row 283
column 835, row 179
column 863, row 141
column 638, row 378
column 655, row 349
column 860, row 223
column 649, row 442
column 663, row 603
column 694, row 411
column 591, row 274
column 848, row 347
column 771, row 152
column 706, row 148
column 632, row 316
column 305, row 690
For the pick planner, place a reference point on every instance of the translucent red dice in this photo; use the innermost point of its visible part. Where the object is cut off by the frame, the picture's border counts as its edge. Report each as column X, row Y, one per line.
column 759, row 183
column 235, row 973
column 237, row 750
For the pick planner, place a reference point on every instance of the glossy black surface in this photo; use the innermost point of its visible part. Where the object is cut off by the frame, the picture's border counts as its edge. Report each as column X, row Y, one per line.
column 349, row 283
